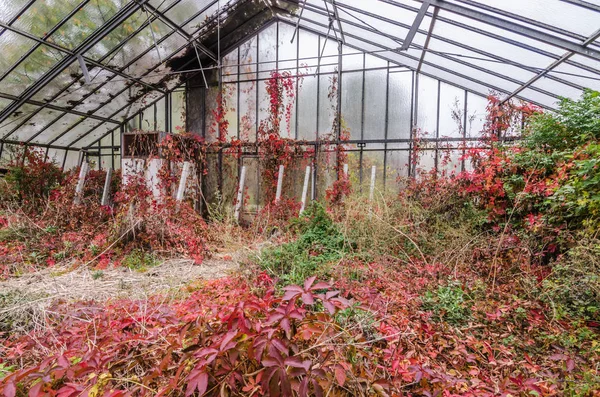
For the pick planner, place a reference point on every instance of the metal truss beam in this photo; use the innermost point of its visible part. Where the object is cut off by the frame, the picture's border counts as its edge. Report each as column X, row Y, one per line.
column 68, row 52
column 443, row 69
column 415, row 26
column 12, row 142
column 106, row 56
column 233, row 45
column 522, row 19
column 584, row 4
column 421, row 59
column 248, row 20
column 59, row 108
column 553, row 65
column 117, row 19
column 166, row 20
column 516, row 28
column 486, row 34
column 428, row 38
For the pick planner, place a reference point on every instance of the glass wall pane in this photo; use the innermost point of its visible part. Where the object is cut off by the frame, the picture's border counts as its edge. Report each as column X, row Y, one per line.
column 307, row 109
column 427, row 106
column 452, row 111
column 400, row 100
column 375, row 101
column 248, row 111
column 352, row 88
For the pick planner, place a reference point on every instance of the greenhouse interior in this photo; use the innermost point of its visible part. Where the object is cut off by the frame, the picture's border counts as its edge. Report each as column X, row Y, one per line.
column 299, row 198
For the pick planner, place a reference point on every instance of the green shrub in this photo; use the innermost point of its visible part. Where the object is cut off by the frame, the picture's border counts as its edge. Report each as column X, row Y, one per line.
column 319, row 244
column 139, row 260
column 573, row 287
column 449, row 303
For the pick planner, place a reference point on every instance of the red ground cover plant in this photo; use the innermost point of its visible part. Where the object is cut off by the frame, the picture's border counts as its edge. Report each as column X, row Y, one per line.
column 366, row 335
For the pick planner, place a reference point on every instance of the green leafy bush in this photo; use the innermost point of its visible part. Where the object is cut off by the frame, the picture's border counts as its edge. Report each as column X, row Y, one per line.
column 319, row 244
column 449, row 303
column 573, row 287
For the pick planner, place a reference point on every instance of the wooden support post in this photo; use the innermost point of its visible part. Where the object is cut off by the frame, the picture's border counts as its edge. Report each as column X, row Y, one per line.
column 81, row 182
column 240, row 195
column 185, row 172
column 372, row 190
column 106, row 192
column 279, row 183
column 305, row 189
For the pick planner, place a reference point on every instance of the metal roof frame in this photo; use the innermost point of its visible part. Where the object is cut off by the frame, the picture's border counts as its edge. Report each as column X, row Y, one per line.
column 574, row 44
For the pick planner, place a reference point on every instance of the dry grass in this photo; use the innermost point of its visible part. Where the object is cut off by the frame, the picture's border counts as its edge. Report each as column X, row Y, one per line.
column 25, row 300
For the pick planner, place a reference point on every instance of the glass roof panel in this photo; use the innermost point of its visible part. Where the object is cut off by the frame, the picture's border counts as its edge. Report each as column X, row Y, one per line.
column 148, row 64
column 184, row 9
column 586, row 62
column 4, row 103
column 117, row 35
column 401, row 15
column 557, row 13
column 16, row 118
column 42, row 16
column 57, row 128
column 495, row 46
column 103, row 94
column 542, row 99
column 85, row 21
column 35, row 124
column 64, row 79
column 493, row 64
column 550, row 85
column 100, row 130
column 480, row 38
column 76, row 132
column 12, row 46
column 32, row 68
column 577, row 75
column 485, row 78
column 9, row 9
column 198, row 20
column 142, row 41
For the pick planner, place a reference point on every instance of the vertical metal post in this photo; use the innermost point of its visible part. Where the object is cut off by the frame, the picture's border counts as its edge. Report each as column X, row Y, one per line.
column 318, row 76
column 112, row 147
column 339, row 108
column 240, row 194
column 99, row 156
column 437, row 127
column 362, row 121
column 415, row 121
column 297, row 85
column 106, row 191
column 62, row 167
column 305, row 189
column 346, row 170
column 464, row 132
column 387, row 118
column 168, row 114
column 313, row 193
